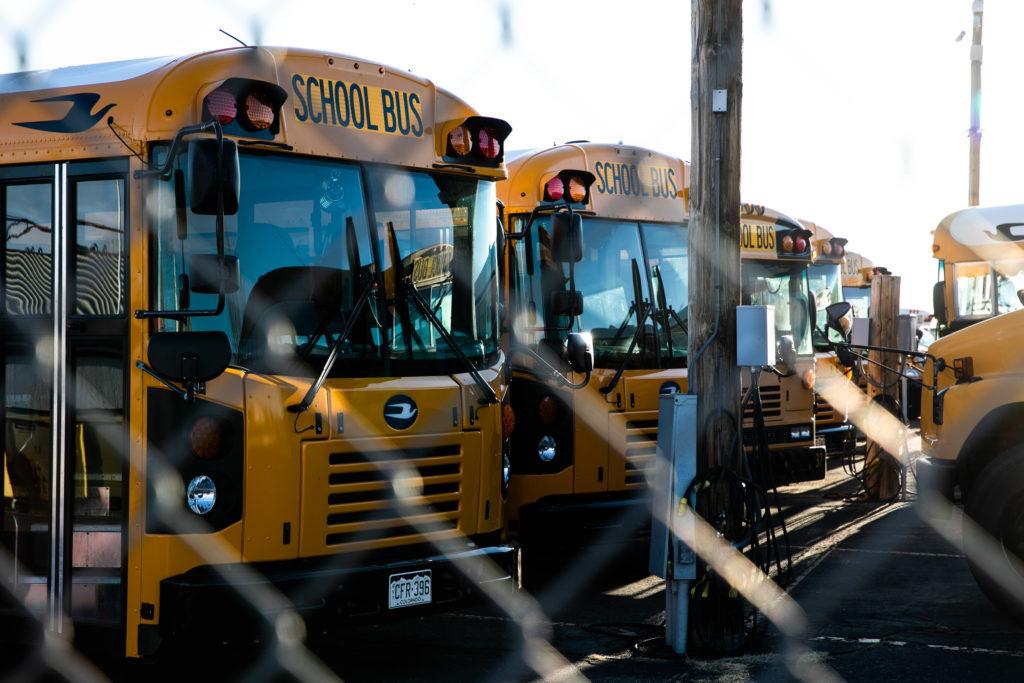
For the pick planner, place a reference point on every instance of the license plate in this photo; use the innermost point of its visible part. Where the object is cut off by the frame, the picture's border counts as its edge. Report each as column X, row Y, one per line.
column 819, row 441
column 409, row 588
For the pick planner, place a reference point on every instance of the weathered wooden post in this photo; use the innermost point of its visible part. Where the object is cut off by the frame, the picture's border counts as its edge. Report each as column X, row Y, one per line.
column 881, row 479
column 715, row 97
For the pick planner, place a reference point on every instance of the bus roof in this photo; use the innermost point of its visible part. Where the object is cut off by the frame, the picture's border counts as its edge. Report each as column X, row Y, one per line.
column 334, row 106
column 856, row 270
column 822, row 235
column 630, row 183
column 754, row 219
column 981, row 233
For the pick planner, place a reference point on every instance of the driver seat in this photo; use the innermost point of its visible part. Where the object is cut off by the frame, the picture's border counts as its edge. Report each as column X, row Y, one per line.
column 286, row 306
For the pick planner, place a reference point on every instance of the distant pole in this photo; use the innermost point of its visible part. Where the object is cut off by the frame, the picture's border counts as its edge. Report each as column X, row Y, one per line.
column 974, row 181
column 714, row 250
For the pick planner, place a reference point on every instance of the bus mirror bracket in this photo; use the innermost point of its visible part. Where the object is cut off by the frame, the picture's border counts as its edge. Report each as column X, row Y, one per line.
column 558, row 376
column 214, row 189
column 186, row 358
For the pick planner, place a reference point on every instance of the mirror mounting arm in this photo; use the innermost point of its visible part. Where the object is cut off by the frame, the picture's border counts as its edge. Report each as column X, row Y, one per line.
column 523, row 348
column 165, row 170
column 165, row 173
column 188, row 394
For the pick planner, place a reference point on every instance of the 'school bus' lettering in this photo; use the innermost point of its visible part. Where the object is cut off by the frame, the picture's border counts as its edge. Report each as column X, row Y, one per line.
column 758, row 237
column 352, row 105
column 655, row 182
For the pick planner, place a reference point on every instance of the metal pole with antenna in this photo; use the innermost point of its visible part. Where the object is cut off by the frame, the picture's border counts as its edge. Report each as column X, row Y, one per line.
column 974, row 181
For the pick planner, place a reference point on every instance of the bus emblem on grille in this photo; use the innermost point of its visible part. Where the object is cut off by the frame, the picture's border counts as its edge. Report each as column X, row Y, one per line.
column 400, row 412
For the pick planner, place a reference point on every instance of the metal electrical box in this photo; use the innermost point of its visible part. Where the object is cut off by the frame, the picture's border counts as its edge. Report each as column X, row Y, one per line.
column 861, row 332
column 676, row 468
column 755, row 336
column 906, row 332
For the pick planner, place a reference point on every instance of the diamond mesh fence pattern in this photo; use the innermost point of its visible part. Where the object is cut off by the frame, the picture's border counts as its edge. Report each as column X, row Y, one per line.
column 412, row 493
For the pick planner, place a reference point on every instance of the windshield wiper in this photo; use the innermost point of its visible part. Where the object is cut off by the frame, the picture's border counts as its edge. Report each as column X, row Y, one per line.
column 643, row 311
column 355, row 264
column 369, row 289
column 667, row 312
column 409, row 290
column 634, row 307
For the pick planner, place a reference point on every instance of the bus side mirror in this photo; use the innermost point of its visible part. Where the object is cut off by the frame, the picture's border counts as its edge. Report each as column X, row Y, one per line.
column 212, row 274
column 567, row 237
column 189, row 357
column 836, row 313
column 939, row 301
column 204, row 186
column 578, row 353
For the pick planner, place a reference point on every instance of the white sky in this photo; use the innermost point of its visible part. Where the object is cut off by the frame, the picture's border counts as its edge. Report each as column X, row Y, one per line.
column 854, row 113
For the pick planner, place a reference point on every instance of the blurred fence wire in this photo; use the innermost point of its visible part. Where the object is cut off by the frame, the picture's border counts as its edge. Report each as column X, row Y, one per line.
column 285, row 647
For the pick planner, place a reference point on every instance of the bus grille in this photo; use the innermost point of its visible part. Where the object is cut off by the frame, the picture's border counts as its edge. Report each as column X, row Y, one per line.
column 823, row 411
column 361, row 502
column 641, row 450
column 771, row 403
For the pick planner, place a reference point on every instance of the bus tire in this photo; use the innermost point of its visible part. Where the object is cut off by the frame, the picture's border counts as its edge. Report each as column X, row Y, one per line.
column 995, row 502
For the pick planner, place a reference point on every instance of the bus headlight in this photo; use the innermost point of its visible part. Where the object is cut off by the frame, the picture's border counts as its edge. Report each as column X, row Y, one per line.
column 546, row 448
column 201, row 494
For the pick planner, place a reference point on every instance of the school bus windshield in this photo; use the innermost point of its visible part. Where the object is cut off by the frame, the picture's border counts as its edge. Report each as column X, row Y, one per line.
column 825, row 279
column 624, row 262
column 311, row 235
column 784, row 286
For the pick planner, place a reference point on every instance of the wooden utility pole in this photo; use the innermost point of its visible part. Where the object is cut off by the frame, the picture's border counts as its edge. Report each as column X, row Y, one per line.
column 974, row 181
column 881, row 473
column 715, row 98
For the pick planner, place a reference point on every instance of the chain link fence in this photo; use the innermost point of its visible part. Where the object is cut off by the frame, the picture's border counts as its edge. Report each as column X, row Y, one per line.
column 285, row 649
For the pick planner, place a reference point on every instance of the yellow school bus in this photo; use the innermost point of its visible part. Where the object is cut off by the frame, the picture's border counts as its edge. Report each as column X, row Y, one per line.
column 580, row 454
column 775, row 255
column 980, row 251
column 972, row 430
column 857, row 273
column 831, row 423
column 250, row 339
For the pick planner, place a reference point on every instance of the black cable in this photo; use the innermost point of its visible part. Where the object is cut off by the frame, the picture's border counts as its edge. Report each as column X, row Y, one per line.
column 735, row 501
column 110, row 125
column 850, row 465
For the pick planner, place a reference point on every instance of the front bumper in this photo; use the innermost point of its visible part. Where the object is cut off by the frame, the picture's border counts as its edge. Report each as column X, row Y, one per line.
column 326, row 591
column 839, row 437
column 935, row 475
column 571, row 522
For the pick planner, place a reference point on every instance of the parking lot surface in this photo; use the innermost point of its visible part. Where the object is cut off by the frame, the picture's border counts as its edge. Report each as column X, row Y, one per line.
column 885, row 594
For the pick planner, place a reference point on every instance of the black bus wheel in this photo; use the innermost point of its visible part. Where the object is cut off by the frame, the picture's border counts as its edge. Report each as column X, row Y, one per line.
column 994, row 543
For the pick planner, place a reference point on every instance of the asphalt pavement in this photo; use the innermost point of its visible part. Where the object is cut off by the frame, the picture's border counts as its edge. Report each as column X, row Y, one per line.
column 885, row 596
